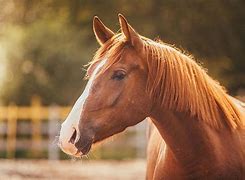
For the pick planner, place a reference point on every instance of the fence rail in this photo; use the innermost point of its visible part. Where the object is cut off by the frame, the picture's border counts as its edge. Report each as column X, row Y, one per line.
column 36, row 113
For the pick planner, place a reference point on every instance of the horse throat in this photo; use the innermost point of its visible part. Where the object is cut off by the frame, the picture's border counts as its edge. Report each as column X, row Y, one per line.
column 192, row 142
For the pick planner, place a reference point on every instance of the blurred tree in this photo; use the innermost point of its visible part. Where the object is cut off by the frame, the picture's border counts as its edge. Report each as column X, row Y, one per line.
column 47, row 62
column 49, row 41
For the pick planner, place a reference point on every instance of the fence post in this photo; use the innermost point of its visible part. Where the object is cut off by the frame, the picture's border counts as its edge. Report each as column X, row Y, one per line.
column 36, row 125
column 11, row 133
column 53, row 128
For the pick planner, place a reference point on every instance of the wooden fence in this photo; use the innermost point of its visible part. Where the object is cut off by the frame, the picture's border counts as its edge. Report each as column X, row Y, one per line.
column 36, row 113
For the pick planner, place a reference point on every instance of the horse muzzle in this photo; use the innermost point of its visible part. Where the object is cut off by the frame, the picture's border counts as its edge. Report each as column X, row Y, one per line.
column 72, row 142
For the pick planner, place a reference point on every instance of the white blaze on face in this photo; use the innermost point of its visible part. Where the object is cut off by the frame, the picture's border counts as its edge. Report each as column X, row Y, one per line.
column 71, row 123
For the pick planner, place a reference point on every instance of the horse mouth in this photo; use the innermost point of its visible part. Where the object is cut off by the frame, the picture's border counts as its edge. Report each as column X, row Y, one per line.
column 83, row 144
column 84, row 149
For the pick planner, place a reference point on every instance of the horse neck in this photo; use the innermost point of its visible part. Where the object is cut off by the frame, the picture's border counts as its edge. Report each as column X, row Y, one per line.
column 178, row 83
column 191, row 141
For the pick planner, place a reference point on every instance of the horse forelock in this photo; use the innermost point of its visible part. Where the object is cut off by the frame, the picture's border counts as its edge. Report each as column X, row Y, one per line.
column 177, row 82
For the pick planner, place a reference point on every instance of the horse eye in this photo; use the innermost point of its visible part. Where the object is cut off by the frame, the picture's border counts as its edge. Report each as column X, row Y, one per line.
column 118, row 75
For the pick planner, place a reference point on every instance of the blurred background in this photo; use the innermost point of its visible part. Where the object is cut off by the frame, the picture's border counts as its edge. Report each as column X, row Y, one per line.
column 44, row 46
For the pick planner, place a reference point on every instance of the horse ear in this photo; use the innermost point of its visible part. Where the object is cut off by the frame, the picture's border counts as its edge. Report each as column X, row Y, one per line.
column 102, row 33
column 131, row 35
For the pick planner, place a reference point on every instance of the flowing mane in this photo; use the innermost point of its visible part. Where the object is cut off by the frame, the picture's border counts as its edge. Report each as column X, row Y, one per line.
column 178, row 83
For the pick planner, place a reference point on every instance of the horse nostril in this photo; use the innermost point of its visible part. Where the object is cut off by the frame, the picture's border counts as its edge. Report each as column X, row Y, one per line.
column 73, row 137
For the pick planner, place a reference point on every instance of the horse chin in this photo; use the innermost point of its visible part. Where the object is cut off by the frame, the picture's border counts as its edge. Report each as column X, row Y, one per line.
column 85, row 150
column 83, row 146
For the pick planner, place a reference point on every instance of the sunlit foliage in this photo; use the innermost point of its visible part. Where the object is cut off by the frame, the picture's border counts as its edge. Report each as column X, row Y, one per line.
column 48, row 42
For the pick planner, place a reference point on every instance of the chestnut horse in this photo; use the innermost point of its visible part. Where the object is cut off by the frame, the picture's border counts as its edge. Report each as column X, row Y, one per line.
column 196, row 131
